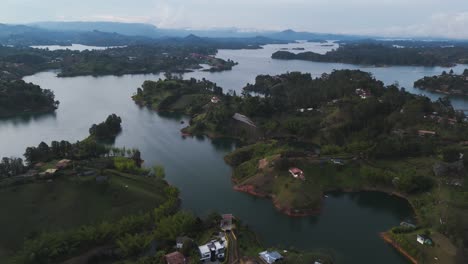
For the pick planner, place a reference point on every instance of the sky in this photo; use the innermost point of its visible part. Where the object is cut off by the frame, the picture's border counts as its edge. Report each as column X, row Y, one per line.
column 398, row 18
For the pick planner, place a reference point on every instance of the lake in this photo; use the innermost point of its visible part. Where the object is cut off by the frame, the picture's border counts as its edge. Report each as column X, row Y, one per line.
column 77, row 47
column 349, row 224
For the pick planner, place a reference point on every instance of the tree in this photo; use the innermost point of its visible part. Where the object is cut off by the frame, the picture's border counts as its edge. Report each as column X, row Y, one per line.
column 451, row 154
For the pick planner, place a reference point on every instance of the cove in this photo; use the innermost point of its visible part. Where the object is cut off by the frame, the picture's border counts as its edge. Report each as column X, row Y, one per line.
column 348, row 226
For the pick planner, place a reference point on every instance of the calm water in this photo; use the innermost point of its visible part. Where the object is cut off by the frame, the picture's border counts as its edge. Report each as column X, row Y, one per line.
column 349, row 224
column 77, row 47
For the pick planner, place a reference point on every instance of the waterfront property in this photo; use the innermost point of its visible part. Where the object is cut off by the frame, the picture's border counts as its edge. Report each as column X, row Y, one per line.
column 424, row 240
column 297, row 173
column 226, row 222
column 270, row 257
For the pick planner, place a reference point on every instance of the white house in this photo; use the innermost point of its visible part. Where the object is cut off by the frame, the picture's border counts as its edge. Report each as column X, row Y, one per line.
column 213, row 250
column 205, row 252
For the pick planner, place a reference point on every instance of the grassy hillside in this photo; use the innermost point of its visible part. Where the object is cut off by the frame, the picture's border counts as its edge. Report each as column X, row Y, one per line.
column 69, row 200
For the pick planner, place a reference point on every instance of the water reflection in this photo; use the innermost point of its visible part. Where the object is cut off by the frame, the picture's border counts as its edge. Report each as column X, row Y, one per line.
column 24, row 119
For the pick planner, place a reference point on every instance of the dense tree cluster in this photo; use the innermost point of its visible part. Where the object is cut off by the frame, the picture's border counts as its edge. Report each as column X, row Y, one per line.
column 163, row 94
column 64, row 149
column 10, row 167
column 108, row 129
column 20, row 97
column 380, row 54
column 16, row 62
column 448, row 83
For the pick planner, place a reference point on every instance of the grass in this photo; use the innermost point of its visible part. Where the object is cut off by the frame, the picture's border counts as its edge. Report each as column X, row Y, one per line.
column 442, row 250
column 71, row 201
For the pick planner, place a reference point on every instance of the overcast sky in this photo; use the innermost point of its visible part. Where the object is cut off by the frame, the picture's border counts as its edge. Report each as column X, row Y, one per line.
column 446, row 18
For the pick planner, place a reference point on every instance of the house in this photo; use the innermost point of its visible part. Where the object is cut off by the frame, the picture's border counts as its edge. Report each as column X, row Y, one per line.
column 226, row 222
column 424, row 240
column 270, row 257
column 297, row 173
column 364, row 94
column 175, row 258
column 205, row 252
column 423, row 133
column 337, row 162
column 215, row 100
column 407, row 224
column 213, row 250
column 50, row 171
column 63, row 164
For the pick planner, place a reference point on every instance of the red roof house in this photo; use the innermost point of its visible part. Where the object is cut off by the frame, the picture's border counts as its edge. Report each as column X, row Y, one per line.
column 175, row 258
column 297, row 173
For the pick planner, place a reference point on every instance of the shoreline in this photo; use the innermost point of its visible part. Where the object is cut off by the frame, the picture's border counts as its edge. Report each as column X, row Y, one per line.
column 395, row 245
column 250, row 189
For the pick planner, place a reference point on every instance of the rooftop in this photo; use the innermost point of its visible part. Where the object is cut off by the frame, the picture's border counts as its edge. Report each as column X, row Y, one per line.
column 175, row 258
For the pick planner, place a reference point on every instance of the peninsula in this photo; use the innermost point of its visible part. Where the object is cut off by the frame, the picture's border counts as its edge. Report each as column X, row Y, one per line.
column 446, row 83
column 344, row 131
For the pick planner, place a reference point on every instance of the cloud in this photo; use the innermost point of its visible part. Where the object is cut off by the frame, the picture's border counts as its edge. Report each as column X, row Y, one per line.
column 445, row 25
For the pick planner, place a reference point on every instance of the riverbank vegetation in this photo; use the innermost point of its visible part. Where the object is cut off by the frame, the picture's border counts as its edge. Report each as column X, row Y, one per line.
column 344, row 131
column 446, row 83
column 18, row 97
column 384, row 55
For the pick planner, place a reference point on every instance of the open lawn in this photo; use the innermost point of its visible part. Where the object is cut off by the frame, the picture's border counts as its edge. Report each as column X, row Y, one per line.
column 71, row 201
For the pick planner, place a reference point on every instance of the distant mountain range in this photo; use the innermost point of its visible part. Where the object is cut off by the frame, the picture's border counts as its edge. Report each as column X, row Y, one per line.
column 115, row 33
column 151, row 31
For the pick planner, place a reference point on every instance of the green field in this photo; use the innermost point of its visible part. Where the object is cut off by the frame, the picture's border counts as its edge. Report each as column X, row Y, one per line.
column 70, row 201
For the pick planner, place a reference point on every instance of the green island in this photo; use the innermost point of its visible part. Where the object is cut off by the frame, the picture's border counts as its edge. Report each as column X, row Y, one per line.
column 345, row 131
column 383, row 55
column 85, row 202
column 446, row 83
column 18, row 97
column 17, row 62
column 107, row 130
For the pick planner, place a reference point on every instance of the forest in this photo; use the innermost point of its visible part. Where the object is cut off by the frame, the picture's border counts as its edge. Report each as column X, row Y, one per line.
column 19, row 97
column 384, row 55
column 447, row 83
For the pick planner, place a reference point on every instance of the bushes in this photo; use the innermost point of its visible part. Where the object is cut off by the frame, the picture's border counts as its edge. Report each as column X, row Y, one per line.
column 52, row 247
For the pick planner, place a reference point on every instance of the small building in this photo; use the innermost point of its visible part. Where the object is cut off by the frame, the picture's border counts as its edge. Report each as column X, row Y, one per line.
column 424, row 240
column 270, row 257
column 364, row 94
column 423, row 133
column 63, row 164
column 226, row 222
column 175, row 258
column 215, row 100
column 407, row 224
column 180, row 241
column 337, row 162
column 297, row 173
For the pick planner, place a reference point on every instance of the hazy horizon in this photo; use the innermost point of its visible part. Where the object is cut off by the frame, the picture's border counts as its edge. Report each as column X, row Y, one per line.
column 388, row 18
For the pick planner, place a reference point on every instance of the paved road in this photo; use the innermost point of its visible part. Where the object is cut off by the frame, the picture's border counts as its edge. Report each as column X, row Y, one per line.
column 233, row 248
